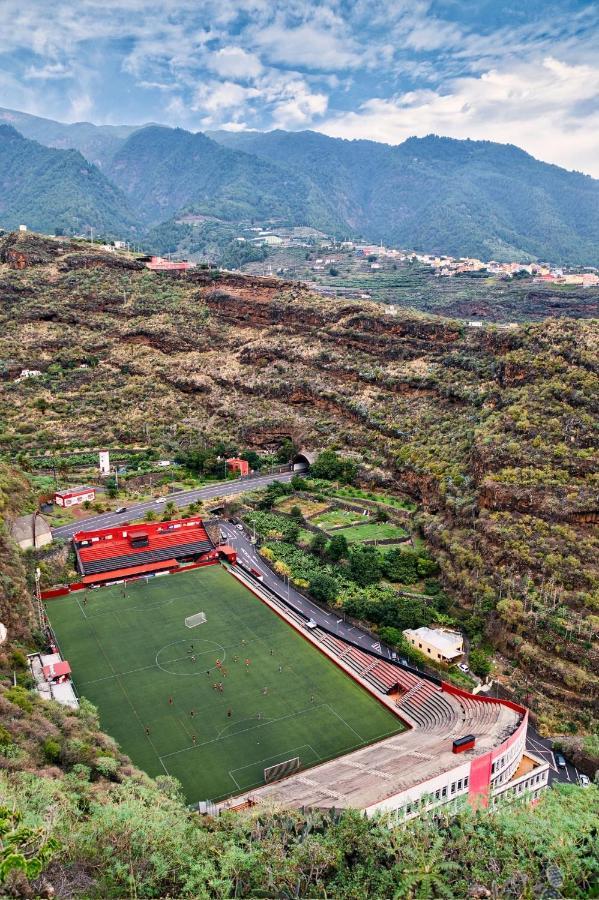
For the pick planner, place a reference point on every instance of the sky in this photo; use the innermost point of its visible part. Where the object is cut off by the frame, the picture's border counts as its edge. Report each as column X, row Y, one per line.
column 523, row 72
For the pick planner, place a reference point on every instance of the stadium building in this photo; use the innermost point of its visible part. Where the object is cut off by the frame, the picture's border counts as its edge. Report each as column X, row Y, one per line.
column 126, row 551
column 458, row 748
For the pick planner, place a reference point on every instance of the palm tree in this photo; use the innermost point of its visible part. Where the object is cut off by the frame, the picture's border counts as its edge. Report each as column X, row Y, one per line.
column 429, row 875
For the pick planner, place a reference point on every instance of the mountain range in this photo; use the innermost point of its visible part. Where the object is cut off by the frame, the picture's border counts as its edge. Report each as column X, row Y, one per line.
column 432, row 194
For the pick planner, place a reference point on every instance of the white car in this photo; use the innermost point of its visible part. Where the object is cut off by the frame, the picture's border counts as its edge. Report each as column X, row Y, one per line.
column 239, row 527
column 463, row 667
column 311, row 624
column 160, row 500
column 584, row 780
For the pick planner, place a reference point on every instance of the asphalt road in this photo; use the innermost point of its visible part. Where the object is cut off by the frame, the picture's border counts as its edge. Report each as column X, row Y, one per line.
column 248, row 556
column 543, row 747
column 182, row 498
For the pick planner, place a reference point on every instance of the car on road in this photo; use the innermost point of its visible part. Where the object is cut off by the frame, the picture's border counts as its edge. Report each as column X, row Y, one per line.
column 239, row 527
column 311, row 624
column 160, row 500
column 560, row 761
column 584, row 780
column 120, row 509
column 463, row 667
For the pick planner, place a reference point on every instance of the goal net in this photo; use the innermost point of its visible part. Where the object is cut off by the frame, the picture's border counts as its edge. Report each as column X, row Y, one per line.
column 197, row 619
column 281, row 770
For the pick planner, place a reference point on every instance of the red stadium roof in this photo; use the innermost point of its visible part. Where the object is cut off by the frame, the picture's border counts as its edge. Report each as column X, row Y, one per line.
column 114, row 574
column 118, row 548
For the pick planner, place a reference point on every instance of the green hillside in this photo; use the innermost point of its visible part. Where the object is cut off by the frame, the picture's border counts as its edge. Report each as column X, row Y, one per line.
column 51, row 190
column 441, row 195
column 165, row 171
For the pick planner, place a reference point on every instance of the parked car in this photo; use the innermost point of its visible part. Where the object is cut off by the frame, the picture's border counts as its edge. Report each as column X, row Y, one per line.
column 121, row 509
column 463, row 667
column 584, row 780
column 239, row 526
column 311, row 624
column 561, row 762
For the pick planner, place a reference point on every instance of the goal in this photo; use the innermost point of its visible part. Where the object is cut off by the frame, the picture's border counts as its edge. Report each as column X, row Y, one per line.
column 197, row 619
column 281, row 770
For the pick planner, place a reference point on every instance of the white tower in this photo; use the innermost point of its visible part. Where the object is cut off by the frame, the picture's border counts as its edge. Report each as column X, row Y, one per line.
column 104, row 462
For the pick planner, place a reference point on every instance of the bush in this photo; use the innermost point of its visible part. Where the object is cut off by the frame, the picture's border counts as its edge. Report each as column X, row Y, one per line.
column 324, row 588
column 20, row 697
column 51, row 750
column 338, row 547
column 365, row 565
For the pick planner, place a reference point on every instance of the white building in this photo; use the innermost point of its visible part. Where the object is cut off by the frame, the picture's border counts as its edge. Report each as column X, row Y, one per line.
column 437, row 643
column 104, row 462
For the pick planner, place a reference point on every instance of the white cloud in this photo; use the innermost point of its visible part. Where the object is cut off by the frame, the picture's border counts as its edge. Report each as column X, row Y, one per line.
column 49, row 71
column 534, row 105
column 311, row 45
column 235, row 62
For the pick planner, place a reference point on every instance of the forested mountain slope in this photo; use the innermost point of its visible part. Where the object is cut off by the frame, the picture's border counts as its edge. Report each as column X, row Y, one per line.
column 442, row 195
column 50, row 189
column 432, row 194
column 490, row 431
column 165, row 171
column 97, row 143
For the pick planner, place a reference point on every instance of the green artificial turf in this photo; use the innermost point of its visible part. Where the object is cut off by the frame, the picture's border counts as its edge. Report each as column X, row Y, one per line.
column 130, row 651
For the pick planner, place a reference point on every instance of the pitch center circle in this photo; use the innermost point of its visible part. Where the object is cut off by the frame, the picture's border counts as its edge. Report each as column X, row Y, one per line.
column 191, row 657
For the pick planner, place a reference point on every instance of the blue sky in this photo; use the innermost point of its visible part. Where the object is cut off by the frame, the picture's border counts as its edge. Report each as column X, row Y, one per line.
column 522, row 72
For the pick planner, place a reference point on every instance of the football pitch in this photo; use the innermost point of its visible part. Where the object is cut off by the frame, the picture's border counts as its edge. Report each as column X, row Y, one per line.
column 174, row 711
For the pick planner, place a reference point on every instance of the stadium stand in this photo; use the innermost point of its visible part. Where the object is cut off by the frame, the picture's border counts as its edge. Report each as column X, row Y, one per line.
column 128, row 547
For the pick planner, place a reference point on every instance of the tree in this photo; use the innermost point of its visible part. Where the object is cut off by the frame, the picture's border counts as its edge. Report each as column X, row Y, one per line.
column 401, row 565
column 333, row 271
column 252, row 458
column 332, row 467
column 282, row 569
column 169, row 510
column 338, row 547
column 111, row 487
column 480, row 663
column 323, row 587
column 296, row 513
column 318, row 543
column 365, row 565
column 286, row 451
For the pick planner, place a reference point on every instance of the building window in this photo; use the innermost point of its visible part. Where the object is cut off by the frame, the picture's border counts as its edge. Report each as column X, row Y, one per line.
column 453, row 788
column 460, row 785
column 466, row 779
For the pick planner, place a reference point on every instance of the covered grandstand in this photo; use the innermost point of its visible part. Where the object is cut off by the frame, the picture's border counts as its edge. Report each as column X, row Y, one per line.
column 127, row 550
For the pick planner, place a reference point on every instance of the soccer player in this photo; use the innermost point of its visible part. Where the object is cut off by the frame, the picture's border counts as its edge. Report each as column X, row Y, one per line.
column 147, row 730
column 170, row 701
column 229, row 713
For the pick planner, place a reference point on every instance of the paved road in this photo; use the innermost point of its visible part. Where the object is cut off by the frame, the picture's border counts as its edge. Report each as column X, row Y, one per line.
column 543, row 747
column 248, row 556
column 182, row 498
